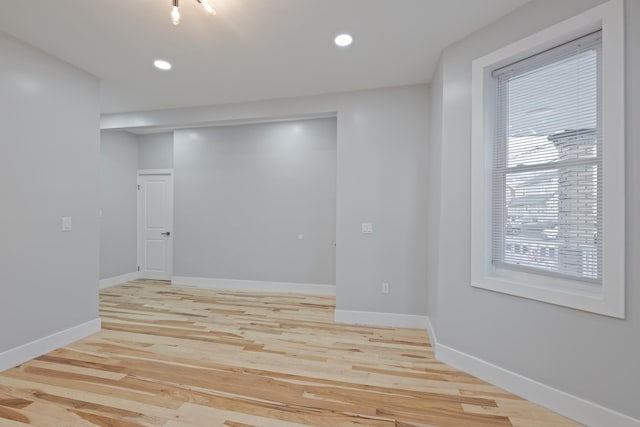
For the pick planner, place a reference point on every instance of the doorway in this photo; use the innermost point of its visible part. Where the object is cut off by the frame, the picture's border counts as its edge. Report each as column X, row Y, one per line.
column 155, row 224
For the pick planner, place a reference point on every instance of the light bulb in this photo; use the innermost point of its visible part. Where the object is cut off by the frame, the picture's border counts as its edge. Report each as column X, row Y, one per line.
column 210, row 10
column 175, row 15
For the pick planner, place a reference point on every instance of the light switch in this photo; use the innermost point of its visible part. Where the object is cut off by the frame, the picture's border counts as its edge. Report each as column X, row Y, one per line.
column 300, row 236
column 367, row 228
column 67, row 223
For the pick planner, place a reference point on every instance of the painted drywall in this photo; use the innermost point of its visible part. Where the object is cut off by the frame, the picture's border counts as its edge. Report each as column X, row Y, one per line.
column 156, row 151
column 49, row 162
column 381, row 148
column 591, row 356
column 245, row 194
column 434, row 183
column 118, row 204
column 382, row 137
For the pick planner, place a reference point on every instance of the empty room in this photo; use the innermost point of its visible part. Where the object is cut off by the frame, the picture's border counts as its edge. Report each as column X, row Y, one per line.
column 419, row 213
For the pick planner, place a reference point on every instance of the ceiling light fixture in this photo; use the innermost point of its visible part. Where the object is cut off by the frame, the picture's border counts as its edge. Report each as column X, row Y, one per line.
column 175, row 11
column 162, row 65
column 343, row 40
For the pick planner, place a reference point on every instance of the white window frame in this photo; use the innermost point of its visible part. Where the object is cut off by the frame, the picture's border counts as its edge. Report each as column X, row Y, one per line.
column 609, row 298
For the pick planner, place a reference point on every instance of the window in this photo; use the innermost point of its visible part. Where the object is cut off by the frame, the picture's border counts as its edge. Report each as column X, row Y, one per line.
column 547, row 191
column 548, row 165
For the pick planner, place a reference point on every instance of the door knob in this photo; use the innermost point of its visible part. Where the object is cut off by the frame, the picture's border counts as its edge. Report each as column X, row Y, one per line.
column 166, row 233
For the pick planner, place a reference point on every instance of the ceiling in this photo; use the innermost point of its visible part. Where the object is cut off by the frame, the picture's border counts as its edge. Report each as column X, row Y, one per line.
column 252, row 49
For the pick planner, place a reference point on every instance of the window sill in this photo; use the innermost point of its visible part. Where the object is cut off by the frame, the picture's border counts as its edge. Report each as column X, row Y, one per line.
column 563, row 292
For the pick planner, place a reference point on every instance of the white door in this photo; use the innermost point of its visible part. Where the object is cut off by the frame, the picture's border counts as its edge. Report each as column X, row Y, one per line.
column 155, row 226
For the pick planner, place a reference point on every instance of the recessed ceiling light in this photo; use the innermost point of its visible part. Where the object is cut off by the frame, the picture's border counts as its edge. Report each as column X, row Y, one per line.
column 343, row 40
column 162, row 65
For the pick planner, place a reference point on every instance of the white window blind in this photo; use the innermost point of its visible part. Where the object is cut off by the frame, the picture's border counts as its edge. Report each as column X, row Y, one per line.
column 547, row 169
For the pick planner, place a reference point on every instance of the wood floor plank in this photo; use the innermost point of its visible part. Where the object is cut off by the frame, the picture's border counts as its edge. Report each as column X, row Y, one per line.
column 179, row 357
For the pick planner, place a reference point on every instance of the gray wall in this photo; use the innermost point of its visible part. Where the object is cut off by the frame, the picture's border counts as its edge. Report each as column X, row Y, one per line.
column 434, row 183
column 382, row 143
column 156, row 151
column 118, row 230
column 49, row 116
column 244, row 193
column 591, row 356
column 382, row 139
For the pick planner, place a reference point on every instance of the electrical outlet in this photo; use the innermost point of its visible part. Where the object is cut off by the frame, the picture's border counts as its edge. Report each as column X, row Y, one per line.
column 67, row 223
column 385, row 288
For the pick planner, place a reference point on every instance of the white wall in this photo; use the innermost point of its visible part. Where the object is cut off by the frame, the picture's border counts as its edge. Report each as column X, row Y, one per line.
column 156, row 151
column 119, row 198
column 49, row 116
column 590, row 356
column 382, row 137
column 244, row 193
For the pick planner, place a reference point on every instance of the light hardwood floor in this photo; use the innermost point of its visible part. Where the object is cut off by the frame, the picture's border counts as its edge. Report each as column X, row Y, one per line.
column 176, row 357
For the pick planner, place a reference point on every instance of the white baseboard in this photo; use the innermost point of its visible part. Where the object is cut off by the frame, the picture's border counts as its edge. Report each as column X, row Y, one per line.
column 433, row 340
column 391, row 320
column 118, row 280
column 253, row 285
column 33, row 349
column 563, row 403
column 568, row 405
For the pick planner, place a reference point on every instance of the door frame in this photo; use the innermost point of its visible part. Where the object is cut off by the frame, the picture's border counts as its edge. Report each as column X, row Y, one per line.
column 151, row 172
